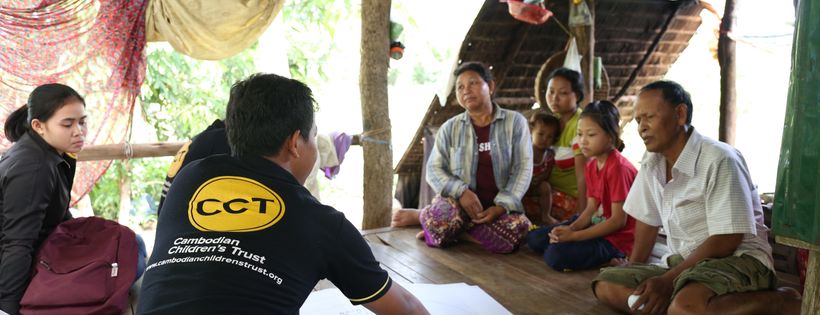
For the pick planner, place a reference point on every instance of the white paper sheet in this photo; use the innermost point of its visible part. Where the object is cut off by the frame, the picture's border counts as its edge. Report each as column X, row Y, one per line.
column 450, row 299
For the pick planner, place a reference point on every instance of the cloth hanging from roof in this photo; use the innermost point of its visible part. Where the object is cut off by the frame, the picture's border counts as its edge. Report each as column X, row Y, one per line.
column 94, row 46
column 210, row 30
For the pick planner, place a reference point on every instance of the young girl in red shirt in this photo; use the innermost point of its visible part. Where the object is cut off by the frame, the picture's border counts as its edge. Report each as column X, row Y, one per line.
column 603, row 233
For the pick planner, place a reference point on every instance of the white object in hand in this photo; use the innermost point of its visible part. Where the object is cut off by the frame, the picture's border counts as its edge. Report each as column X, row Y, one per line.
column 632, row 299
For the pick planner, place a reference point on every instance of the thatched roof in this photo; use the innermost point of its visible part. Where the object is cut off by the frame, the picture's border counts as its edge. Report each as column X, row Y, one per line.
column 628, row 33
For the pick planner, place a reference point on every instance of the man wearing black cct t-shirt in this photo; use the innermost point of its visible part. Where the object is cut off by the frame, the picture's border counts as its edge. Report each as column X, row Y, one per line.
column 209, row 142
column 240, row 234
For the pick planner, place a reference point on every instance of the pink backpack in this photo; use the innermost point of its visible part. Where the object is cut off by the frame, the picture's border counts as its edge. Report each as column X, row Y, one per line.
column 86, row 266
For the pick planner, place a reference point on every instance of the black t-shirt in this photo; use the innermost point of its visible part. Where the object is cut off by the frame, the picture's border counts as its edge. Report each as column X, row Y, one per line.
column 213, row 140
column 242, row 236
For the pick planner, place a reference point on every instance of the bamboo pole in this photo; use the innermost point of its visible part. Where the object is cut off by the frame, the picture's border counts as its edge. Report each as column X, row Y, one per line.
column 141, row 150
column 120, row 151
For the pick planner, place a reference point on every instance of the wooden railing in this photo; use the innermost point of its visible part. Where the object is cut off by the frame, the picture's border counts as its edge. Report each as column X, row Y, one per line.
column 122, row 151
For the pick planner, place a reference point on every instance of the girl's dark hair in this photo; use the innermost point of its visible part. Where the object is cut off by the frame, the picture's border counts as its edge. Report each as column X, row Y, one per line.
column 42, row 103
column 576, row 82
column 606, row 115
column 548, row 120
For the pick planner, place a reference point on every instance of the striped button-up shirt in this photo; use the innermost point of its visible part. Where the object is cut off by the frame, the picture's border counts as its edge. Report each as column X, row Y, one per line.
column 711, row 193
column 453, row 163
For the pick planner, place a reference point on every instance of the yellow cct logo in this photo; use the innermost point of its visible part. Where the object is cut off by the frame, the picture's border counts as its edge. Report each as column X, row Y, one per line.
column 177, row 163
column 234, row 204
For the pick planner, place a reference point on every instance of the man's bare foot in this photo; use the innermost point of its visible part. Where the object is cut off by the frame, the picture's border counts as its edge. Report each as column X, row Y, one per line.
column 789, row 292
column 792, row 300
column 420, row 235
column 405, row 217
column 617, row 262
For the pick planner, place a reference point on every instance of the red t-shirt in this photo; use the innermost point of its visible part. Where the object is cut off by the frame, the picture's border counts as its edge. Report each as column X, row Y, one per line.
column 547, row 162
column 608, row 185
column 485, row 179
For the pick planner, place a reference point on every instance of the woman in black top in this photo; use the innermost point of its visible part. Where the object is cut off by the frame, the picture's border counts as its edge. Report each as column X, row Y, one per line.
column 36, row 175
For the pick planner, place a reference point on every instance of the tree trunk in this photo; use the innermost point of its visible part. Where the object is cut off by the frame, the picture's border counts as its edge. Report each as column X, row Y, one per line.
column 376, row 143
column 726, row 59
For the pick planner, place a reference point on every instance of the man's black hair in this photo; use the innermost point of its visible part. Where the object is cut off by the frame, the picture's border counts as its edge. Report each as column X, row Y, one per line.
column 674, row 94
column 264, row 110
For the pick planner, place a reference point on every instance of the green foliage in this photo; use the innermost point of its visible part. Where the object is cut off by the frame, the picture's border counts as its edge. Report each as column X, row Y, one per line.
column 312, row 30
column 423, row 73
column 422, row 76
column 392, row 76
column 180, row 97
column 105, row 197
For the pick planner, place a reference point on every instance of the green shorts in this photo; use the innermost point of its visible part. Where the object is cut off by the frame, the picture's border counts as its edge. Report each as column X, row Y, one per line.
column 732, row 274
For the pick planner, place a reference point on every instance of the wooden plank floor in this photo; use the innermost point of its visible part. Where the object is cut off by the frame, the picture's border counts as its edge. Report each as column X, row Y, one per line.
column 519, row 281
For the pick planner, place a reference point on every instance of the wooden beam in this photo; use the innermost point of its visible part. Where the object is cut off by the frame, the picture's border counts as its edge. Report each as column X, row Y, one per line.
column 521, row 30
column 728, row 92
column 435, row 105
column 376, row 138
column 649, row 52
column 119, row 151
column 514, row 100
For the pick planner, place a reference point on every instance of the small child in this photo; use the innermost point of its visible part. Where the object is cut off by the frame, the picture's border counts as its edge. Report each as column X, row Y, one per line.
column 545, row 129
column 603, row 233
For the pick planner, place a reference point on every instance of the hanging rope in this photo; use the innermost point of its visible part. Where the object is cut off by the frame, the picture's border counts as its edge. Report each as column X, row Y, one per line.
column 566, row 30
column 367, row 136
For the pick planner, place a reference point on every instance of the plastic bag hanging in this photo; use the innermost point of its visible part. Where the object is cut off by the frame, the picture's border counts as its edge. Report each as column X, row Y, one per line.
column 530, row 11
column 573, row 58
column 579, row 14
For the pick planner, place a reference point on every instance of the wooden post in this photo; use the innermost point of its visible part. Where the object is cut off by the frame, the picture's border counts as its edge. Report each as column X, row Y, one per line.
column 811, row 293
column 585, row 38
column 376, row 143
column 726, row 59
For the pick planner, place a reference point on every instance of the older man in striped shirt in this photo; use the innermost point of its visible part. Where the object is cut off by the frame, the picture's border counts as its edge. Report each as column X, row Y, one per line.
column 700, row 191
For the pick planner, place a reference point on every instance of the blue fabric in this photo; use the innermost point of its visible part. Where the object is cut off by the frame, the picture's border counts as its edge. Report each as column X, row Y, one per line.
column 141, row 253
column 567, row 256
